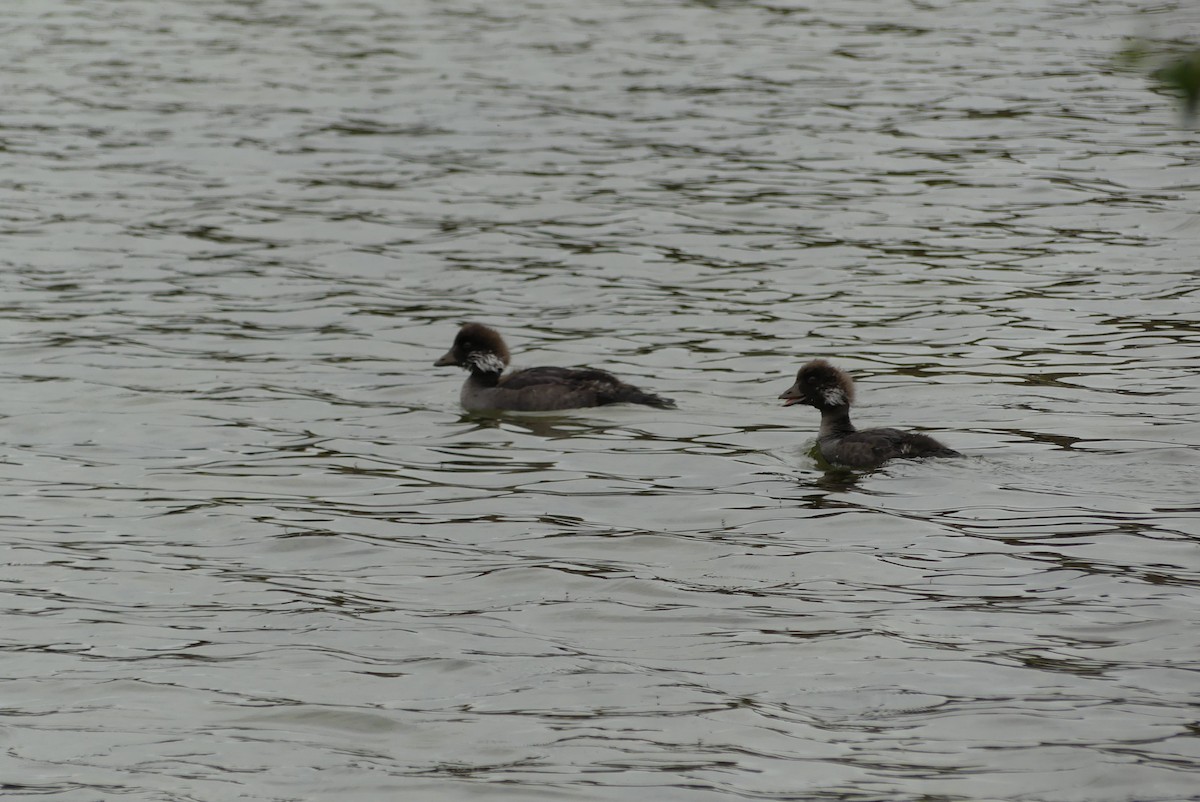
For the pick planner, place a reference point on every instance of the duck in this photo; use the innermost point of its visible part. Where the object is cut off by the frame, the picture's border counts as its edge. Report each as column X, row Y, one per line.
column 481, row 350
column 831, row 390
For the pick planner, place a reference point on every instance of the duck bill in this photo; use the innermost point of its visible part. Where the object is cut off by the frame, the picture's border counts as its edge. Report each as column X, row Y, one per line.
column 447, row 359
column 791, row 396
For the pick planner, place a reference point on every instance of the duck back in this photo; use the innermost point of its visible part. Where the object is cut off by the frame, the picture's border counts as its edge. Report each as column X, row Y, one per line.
column 553, row 388
column 870, row 448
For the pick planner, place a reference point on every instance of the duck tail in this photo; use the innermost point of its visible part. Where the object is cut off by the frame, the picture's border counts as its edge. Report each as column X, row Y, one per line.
column 650, row 400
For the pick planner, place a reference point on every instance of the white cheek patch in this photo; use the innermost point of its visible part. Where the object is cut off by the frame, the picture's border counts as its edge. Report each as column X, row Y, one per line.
column 833, row 396
column 485, row 362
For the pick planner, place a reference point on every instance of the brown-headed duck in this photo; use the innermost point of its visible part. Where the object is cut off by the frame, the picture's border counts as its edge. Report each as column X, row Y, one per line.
column 821, row 385
column 481, row 350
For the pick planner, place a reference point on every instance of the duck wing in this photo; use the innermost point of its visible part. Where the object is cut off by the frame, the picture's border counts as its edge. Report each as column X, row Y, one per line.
column 567, row 388
column 869, row 448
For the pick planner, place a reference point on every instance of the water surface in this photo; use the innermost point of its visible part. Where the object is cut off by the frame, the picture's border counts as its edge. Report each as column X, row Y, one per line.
column 256, row 551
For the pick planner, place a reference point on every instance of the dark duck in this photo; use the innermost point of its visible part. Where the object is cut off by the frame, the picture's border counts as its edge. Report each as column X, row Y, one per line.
column 481, row 350
column 821, row 385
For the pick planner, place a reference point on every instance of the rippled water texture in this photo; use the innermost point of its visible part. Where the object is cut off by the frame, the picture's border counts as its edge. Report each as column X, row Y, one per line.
column 256, row 551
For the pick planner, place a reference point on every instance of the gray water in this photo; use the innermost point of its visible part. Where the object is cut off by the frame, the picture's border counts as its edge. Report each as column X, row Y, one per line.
column 256, row 551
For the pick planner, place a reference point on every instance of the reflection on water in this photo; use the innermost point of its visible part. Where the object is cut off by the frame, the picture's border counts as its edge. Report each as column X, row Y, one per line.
column 256, row 550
